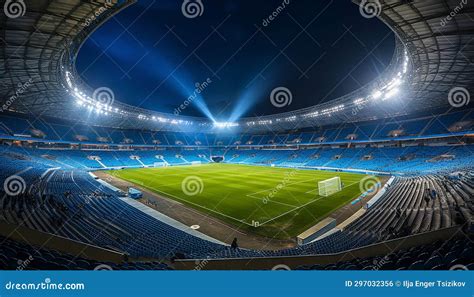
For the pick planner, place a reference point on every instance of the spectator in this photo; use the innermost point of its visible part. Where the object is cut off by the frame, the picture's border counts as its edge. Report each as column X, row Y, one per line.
column 234, row 244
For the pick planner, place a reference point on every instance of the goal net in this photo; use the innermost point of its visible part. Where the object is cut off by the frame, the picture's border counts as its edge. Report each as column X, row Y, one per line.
column 329, row 186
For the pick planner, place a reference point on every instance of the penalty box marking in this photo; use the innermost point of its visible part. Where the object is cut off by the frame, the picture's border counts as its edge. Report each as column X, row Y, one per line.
column 295, row 207
column 308, row 203
column 222, row 214
column 269, row 200
column 288, row 184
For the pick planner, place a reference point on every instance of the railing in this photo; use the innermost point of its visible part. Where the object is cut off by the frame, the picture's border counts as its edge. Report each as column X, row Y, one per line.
column 379, row 249
column 60, row 244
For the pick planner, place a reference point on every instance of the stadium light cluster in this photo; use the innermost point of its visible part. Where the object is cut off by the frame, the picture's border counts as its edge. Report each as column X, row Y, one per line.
column 384, row 92
column 83, row 100
column 226, row 124
column 261, row 122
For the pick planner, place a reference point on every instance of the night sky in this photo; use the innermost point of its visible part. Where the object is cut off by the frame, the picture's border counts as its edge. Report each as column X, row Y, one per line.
column 152, row 56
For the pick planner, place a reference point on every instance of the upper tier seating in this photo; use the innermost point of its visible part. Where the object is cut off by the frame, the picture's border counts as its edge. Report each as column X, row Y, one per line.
column 61, row 131
column 411, row 160
column 414, row 160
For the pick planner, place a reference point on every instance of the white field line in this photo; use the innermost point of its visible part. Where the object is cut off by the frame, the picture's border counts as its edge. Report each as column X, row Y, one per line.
column 293, row 183
column 211, row 210
column 313, row 190
column 198, row 205
column 288, row 184
column 151, row 172
column 211, row 178
column 180, row 175
column 154, row 171
column 249, row 195
column 272, row 201
column 184, row 175
column 308, row 203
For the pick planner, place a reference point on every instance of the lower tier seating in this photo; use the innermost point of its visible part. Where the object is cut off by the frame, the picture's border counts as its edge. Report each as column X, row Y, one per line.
column 19, row 256
column 457, row 254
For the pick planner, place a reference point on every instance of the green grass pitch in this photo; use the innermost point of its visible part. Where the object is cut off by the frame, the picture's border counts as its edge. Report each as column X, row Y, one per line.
column 272, row 202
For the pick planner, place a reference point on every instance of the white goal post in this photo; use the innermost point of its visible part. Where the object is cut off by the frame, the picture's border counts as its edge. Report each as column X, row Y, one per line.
column 329, row 186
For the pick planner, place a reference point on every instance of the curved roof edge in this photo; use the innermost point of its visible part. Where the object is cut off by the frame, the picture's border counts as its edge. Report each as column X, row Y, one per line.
column 434, row 55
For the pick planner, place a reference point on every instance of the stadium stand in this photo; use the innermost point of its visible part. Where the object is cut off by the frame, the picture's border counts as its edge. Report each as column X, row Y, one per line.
column 439, row 125
column 437, row 256
column 18, row 256
column 70, row 203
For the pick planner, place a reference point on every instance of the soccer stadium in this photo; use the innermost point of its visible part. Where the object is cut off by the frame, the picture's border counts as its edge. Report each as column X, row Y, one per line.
column 235, row 135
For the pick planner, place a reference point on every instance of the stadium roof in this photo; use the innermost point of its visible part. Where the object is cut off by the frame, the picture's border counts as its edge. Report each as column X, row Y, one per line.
column 41, row 40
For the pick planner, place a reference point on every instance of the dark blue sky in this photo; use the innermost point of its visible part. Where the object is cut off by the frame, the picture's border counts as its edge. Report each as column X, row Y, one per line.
column 151, row 55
